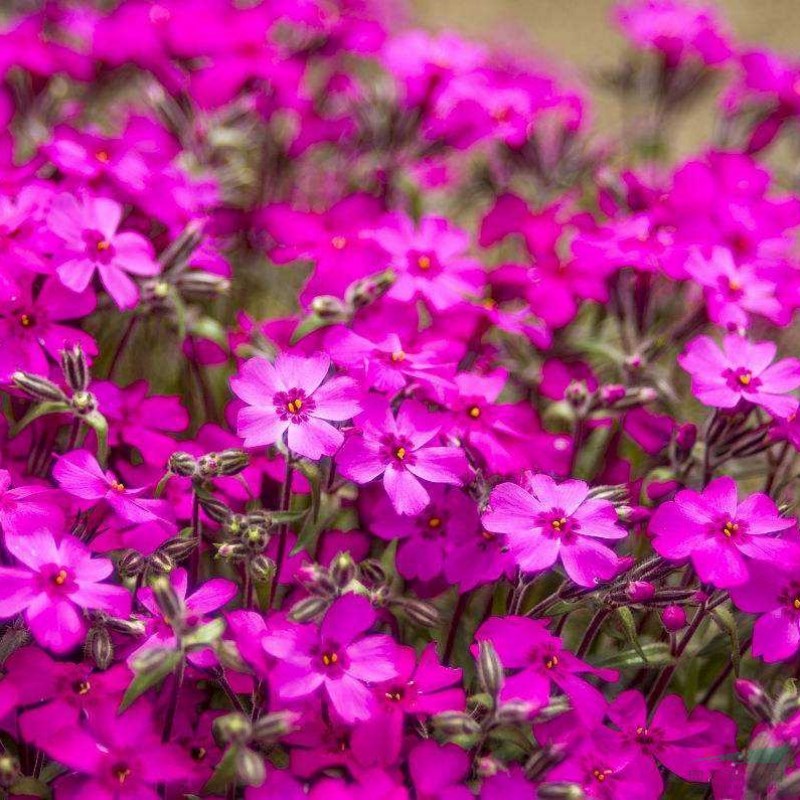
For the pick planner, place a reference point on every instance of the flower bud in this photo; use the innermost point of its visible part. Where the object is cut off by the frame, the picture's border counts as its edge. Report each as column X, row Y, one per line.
column 576, row 394
column 183, row 464
column 328, row 308
column 555, row 708
column 560, row 791
column 271, row 727
column 544, row 760
column 342, row 570
column 250, row 769
column 308, row 609
column 685, row 438
column 225, row 463
column 419, row 612
column 178, row 548
column 130, row 627
column 38, row 388
column 754, row 699
column 231, row 550
column 262, row 569
column 455, row 723
column 178, row 253
column 233, row 728
column 673, row 618
column 640, row 591
column 490, row 670
column 160, row 562
column 10, row 770
column 514, row 712
column 196, row 285
column 216, row 510
column 254, row 538
column 151, row 661
column 75, row 368
column 487, row 766
column 131, row 564
column 372, row 572
column 99, row 647
column 167, row 600
column 368, row 290
column 83, row 403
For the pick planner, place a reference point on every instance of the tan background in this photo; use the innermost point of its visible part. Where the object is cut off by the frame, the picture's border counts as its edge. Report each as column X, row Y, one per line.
column 579, row 36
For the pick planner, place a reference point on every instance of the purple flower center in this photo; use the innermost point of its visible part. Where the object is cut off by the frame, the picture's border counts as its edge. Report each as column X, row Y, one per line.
column 728, row 528
column 397, row 449
column 57, row 580
column 741, row 380
column 293, row 405
column 98, row 248
column 332, row 660
column 730, row 287
column 423, row 263
column 26, row 320
column 601, row 773
column 121, row 772
column 556, row 524
column 81, row 687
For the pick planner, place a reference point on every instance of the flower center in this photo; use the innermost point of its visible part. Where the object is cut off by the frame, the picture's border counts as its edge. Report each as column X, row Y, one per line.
column 121, row 772
column 394, row 695
column 424, row 262
column 400, row 453
column 398, row 355
column 474, row 412
column 60, row 578
column 103, row 245
column 601, row 774
column 745, row 378
column 729, row 529
column 294, row 406
column 329, row 658
column 339, row 242
column 198, row 753
column 81, row 687
column 434, row 522
column 26, row 320
column 117, row 486
column 102, row 156
column 550, row 662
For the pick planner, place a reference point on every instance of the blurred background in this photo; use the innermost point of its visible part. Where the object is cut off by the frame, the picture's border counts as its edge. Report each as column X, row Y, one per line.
column 579, row 38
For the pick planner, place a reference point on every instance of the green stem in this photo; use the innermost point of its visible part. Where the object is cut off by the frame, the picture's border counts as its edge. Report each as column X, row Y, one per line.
column 286, row 499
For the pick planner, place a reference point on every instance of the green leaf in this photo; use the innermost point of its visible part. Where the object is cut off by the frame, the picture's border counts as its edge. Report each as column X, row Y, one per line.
column 224, row 774
column 151, row 668
column 656, row 654
column 310, row 324
column 727, row 623
column 30, row 787
column 40, row 410
column 99, row 424
column 625, row 617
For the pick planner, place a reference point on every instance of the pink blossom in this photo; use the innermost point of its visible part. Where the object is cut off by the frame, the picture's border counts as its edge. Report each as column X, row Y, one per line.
column 91, row 243
column 397, row 448
column 546, row 521
column 741, row 372
column 721, row 535
column 56, row 580
column 292, row 401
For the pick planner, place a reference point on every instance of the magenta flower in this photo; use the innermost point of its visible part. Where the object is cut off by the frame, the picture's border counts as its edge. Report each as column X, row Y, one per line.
column 397, row 448
column 56, row 580
column 547, row 521
column 439, row 772
column 772, row 591
column 292, row 399
column 212, row 595
column 741, row 372
column 25, row 508
column 118, row 757
column 88, row 230
column 536, row 660
column 335, row 656
column 719, row 534
column 686, row 744
column 79, row 474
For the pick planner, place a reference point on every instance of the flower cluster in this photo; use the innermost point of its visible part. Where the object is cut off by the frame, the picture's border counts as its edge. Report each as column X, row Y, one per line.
column 370, row 431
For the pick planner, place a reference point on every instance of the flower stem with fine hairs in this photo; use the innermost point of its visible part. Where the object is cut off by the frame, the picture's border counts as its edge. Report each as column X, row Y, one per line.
column 283, row 533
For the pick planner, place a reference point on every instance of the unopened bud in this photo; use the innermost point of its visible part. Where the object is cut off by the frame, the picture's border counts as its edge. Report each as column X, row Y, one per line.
column 673, row 618
column 342, row 570
column 308, row 609
column 254, row 538
column 487, row 766
column 130, row 627
column 372, row 572
column 178, row 548
column 640, row 591
column 514, row 712
column 455, row 723
column 576, row 393
column 231, row 550
column 131, row 564
column 183, row 464
column 83, row 403
column 99, row 647
column 754, row 699
column 178, row 253
column 216, row 510
column 75, row 368
column 234, row 728
column 197, row 285
column 226, row 462
column 555, row 708
column 152, row 660
column 272, row 727
column 262, row 569
column 490, row 670
column 160, row 562
column 685, row 438
column 10, row 770
column 250, row 769
column 328, row 308
column 560, row 791
column 167, row 599
column 544, row 760
column 368, row 290
column 419, row 612
column 38, row 388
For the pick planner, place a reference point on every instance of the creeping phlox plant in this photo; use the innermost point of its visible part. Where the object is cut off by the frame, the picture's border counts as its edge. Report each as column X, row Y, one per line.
column 371, row 430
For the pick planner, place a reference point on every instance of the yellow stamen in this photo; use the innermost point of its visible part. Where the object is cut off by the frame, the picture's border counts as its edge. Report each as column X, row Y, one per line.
column 339, row 242
column 398, row 355
column 551, row 662
column 730, row 528
column 329, row 658
column 102, row 156
column 796, row 603
column 84, row 687
column 474, row 412
column 294, row 405
column 424, row 262
column 60, row 578
column 122, row 773
column 558, row 524
column 25, row 321
column 745, row 378
column 103, row 245
column 434, row 522
column 400, row 453
column 117, row 486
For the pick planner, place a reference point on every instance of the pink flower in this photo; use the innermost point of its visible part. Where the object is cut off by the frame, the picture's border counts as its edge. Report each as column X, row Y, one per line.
column 439, row 772
column 719, row 534
column 337, row 657
column 79, row 474
column 741, row 372
column 57, row 580
column 25, row 508
column 292, row 398
column 397, row 448
column 210, row 596
column 118, row 757
column 88, row 230
column 546, row 521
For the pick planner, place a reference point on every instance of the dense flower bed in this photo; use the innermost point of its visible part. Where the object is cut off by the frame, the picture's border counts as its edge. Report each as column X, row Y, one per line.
column 372, row 429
